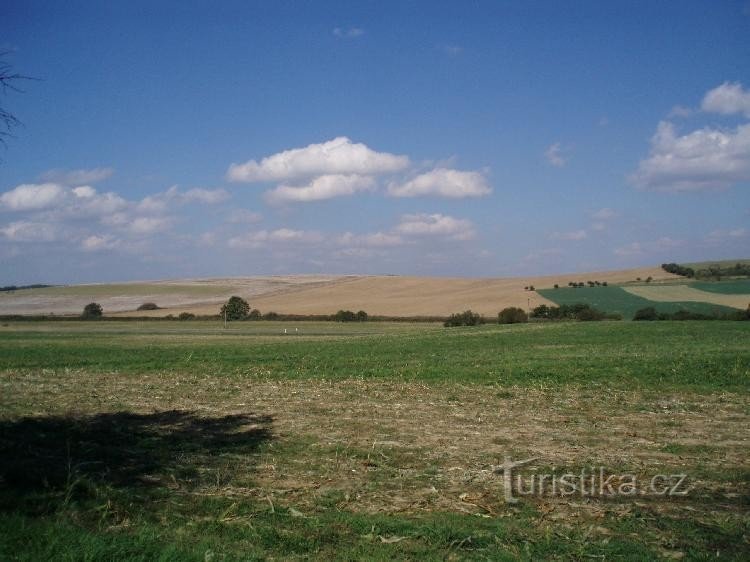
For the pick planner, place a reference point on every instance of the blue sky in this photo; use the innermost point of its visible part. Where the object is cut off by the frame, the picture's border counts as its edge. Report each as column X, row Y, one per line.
column 423, row 138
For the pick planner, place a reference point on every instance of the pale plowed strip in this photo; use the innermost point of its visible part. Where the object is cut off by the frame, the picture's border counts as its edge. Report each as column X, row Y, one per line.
column 684, row 293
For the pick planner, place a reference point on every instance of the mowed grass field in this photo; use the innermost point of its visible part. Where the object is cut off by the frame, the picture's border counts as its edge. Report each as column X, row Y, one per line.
column 372, row 441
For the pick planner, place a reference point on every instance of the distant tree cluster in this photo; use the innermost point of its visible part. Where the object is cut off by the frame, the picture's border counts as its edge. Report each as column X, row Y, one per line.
column 349, row 316
column 148, row 306
column 582, row 312
column 10, row 288
column 529, row 288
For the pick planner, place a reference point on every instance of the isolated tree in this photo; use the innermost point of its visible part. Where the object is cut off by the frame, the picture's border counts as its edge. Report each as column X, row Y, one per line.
column 92, row 311
column 236, row 308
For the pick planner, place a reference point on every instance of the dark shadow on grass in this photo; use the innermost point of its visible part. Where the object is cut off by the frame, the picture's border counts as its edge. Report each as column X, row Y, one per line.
column 48, row 455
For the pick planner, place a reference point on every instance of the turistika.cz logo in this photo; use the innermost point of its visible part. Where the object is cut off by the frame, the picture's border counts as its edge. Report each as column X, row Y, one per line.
column 589, row 482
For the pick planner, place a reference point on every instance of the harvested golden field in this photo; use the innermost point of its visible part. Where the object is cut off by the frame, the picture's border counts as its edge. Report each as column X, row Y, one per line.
column 685, row 293
column 425, row 296
column 309, row 294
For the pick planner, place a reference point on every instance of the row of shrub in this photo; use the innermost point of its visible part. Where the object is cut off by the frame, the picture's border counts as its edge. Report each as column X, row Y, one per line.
column 515, row 315
column 582, row 312
column 579, row 284
column 650, row 313
column 715, row 271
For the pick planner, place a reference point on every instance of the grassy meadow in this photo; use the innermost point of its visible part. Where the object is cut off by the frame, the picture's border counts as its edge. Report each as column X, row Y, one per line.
column 188, row 441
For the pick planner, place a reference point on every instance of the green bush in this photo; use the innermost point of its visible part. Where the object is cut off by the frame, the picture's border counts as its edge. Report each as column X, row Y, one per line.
column 254, row 314
column 186, row 316
column 148, row 306
column 512, row 315
column 648, row 313
column 466, row 318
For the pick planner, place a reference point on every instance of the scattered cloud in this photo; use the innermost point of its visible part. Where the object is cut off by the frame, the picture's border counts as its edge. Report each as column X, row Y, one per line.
column 573, row 235
column 348, row 32
column 97, row 243
column 339, row 156
column 173, row 197
column 27, row 231
column 436, row 225
column 320, row 188
column 662, row 244
column 452, row 50
column 703, row 159
column 727, row 99
column 32, row 197
column 243, row 216
column 263, row 238
column 598, row 226
column 77, row 177
column 720, row 235
column 680, row 111
column 604, row 214
column 374, row 240
column 149, row 225
column 443, row 182
column 632, row 249
column 554, row 155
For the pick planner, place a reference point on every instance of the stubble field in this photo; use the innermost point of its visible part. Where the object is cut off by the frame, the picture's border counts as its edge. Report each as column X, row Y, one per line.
column 182, row 440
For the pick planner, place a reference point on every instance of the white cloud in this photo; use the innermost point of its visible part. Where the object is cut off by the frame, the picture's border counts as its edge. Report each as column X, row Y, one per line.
column 32, row 197
column 348, row 33
column 554, row 155
column 96, row 243
column 374, row 240
column 443, row 182
column 149, row 225
column 338, row 156
column 436, row 225
column 598, row 226
column 703, row 159
column 77, row 177
column 262, row 238
column 172, row 197
column 604, row 214
column 320, row 188
column 205, row 196
column 727, row 99
column 26, row 231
